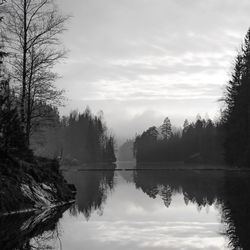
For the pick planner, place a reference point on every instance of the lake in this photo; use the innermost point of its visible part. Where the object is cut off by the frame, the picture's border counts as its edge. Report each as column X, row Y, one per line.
column 144, row 209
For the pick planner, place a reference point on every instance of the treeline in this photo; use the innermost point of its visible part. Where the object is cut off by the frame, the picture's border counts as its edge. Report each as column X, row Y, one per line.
column 29, row 100
column 77, row 138
column 204, row 140
column 85, row 138
column 195, row 142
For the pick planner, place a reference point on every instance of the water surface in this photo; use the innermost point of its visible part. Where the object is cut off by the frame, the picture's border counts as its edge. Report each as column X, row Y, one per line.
column 150, row 210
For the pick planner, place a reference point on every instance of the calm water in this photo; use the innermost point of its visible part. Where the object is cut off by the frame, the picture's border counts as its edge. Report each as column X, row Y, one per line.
column 141, row 210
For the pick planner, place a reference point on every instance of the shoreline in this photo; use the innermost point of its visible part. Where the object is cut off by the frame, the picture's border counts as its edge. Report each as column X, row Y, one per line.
column 32, row 187
column 31, row 210
column 159, row 169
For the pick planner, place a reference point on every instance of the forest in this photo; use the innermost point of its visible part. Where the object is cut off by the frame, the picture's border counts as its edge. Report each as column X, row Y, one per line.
column 204, row 141
column 74, row 139
column 30, row 124
column 199, row 142
column 34, row 139
column 64, row 184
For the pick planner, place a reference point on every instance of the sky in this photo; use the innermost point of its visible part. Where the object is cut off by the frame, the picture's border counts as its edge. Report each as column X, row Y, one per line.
column 142, row 60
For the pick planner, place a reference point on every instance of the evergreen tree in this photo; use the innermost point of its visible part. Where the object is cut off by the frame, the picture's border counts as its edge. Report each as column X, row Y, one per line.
column 166, row 129
column 198, row 142
column 236, row 116
column 85, row 139
column 185, row 125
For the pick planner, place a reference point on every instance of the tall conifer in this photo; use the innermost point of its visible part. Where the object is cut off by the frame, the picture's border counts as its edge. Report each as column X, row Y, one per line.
column 236, row 116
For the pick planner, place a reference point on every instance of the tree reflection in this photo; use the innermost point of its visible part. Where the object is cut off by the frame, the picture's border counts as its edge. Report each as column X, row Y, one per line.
column 31, row 231
column 41, row 231
column 236, row 210
column 92, row 190
column 230, row 192
column 196, row 186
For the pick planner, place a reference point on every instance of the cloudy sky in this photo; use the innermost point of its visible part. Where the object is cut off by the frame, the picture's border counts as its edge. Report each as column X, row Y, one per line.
column 142, row 60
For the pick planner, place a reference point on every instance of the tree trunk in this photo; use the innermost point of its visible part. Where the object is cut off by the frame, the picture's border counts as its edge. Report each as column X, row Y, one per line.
column 29, row 103
column 24, row 65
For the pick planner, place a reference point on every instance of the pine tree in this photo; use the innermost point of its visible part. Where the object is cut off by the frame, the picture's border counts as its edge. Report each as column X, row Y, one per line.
column 236, row 116
column 166, row 129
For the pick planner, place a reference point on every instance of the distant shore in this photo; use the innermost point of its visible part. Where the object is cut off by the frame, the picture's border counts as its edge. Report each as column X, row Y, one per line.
column 154, row 166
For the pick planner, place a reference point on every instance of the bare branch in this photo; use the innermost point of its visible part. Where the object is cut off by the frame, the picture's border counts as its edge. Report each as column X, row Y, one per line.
column 32, row 31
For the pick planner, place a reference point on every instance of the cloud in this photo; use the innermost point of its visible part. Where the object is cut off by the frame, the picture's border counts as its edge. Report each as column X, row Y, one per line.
column 128, row 50
column 126, row 118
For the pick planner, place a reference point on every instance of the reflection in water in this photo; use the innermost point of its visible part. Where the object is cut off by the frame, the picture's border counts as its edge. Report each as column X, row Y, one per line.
column 92, row 190
column 228, row 191
column 142, row 210
column 236, row 210
column 30, row 231
column 201, row 188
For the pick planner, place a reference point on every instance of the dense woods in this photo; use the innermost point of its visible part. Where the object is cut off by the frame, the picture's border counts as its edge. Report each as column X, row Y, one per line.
column 41, row 151
column 29, row 118
column 29, row 104
column 204, row 141
column 197, row 142
column 85, row 138
column 77, row 138
column 236, row 115
column 11, row 133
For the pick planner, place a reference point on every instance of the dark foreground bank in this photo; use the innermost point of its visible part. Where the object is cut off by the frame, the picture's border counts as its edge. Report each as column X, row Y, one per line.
column 31, row 186
column 30, row 230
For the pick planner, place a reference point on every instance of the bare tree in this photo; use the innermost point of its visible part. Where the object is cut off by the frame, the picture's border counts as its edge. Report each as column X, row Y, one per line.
column 33, row 29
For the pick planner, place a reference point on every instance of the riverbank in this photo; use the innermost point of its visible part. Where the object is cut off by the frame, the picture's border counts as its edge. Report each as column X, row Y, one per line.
column 186, row 166
column 95, row 166
column 16, row 231
column 153, row 166
column 26, row 187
